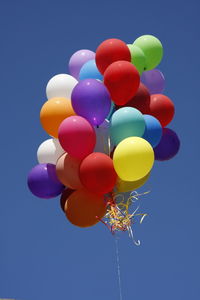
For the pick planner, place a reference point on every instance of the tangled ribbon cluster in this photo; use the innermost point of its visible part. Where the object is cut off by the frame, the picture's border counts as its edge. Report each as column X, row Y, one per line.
column 119, row 216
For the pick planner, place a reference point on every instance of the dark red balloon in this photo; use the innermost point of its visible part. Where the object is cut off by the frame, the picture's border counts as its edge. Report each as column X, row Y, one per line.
column 110, row 51
column 65, row 195
column 162, row 108
column 97, row 173
column 122, row 81
column 141, row 100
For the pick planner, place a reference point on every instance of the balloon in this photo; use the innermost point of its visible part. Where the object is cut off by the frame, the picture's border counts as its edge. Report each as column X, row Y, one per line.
column 49, row 151
column 53, row 112
column 43, row 182
column 65, row 195
column 168, row 146
column 128, row 186
column 133, row 158
column 103, row 142
column 154, row 80
column 78, row 59
column 84, row 208
column 61, row 86
column 97, row 173
column 67, row 170
column 141, row 100
column 162, row 108
column 126, row 122
column 77, row 136
column 91, row 100
column 122, row 80
column 152, row 48
column 110, row 51
column 89, row 70
column 153, row 130
column 137, row 57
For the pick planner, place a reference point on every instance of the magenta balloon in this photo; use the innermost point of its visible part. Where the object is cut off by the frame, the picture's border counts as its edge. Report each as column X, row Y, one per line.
column 78, row 59
column 154, row 80
column 91, row 100
column 43, row 182
column 77, row 136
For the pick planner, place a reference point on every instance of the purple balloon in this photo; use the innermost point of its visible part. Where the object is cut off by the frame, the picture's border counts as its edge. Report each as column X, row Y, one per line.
column 78, row 59
column 91, row 100
column 43, row 182
column 168, row 146
column 154, row 80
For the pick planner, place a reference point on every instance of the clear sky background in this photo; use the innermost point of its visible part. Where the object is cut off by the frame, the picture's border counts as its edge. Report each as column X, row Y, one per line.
column 42, row 256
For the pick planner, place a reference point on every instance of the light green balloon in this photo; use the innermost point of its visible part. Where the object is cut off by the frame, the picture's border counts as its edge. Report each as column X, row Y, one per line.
column 152, row 48
column 137, row 58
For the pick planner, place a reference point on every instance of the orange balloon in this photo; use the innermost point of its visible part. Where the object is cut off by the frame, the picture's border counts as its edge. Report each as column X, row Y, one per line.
column 67, row 170
column 53, row 112
column 84, row 208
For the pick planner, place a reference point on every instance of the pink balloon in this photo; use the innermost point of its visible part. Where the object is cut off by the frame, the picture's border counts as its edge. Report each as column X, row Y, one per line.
column 77, row 137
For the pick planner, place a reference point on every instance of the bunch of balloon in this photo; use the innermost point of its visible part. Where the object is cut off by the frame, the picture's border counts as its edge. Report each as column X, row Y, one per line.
column 106, row 124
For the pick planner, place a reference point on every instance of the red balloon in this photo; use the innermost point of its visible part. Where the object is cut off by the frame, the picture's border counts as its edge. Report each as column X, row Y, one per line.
column 141, row 100
column 110, row 51
column 65, row 195
column 162, row 108
column 97, row 173
column 122, row 80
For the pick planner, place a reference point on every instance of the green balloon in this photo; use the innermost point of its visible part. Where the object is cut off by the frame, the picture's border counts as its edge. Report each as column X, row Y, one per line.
column 152, row 48
column 137, row 58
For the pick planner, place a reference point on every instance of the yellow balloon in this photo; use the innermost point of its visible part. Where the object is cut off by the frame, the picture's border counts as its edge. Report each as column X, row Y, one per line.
column 53, row 112
column 133, row 158
column 128, row 186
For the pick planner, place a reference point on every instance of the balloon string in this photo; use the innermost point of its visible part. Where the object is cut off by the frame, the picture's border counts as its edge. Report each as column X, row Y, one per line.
column 104, row 144
column 109, row 146
column 118, row 267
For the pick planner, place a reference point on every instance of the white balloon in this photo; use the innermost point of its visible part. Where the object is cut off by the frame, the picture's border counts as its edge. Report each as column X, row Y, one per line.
column 103, row 142
column 60, row 85
column 49, row 151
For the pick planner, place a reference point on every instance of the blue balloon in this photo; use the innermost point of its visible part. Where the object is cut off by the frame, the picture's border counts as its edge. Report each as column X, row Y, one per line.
column 126, row 122
column 89, row 71
column 153, row 130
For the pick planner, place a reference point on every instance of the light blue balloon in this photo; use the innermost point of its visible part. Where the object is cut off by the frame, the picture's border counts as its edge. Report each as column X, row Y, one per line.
column 89, row 71
column 126, row 122
column 153, row 130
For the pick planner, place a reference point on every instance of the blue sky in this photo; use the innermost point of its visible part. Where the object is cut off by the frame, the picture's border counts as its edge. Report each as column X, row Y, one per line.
column 42, row 256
